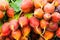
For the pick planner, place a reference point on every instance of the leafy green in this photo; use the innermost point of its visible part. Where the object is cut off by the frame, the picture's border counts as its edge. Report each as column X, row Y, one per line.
column 16, row 5
column 28, row 15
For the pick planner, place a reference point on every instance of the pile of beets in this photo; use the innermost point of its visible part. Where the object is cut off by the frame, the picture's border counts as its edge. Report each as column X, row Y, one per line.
column 44, row 24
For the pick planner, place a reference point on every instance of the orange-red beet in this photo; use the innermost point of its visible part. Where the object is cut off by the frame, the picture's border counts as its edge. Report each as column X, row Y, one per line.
column 5, row 29
column 23, row 21
column 48, row 35
column 55, row 17
column 26, row 5
column 4, row 5
column 34, row 22
column 49, row 8
column 13, row 24
column 16, row 34
column 26, row 30
column 43, row 24
column 38, row 13
column 10, row 12
column 39, row 3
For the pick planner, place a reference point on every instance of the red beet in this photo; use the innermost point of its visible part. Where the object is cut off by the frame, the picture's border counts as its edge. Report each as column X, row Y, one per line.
column 26, row 5
column 49, row 8
column 58, row 33
column 52, row 26
column 5, row 29
column 55, row 17
column 23, row 21
column 4, row 5
column 10, row 12
column 13, row 25
column 34, row 22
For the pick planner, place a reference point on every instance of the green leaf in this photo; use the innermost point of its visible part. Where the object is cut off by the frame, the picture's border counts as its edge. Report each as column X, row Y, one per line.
column 16, row 5
column 28, row 15
column 16, row 8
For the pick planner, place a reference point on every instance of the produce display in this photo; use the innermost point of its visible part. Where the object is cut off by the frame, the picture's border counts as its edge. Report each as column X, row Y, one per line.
column 29, row 19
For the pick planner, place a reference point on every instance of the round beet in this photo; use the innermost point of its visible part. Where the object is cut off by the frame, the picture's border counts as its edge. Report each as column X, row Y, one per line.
column 26, row 5
column 13, row 24
column 49, row 8
column 52, row 26
column 38, row 13
column 5, row 29
column 10, row 12
column 23, row 21
column 34, row 22
column 44, row 23
column 55, row 17
column 4, row 5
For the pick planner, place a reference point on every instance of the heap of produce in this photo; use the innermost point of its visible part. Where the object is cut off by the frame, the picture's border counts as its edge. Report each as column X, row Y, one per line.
column 29, row 19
